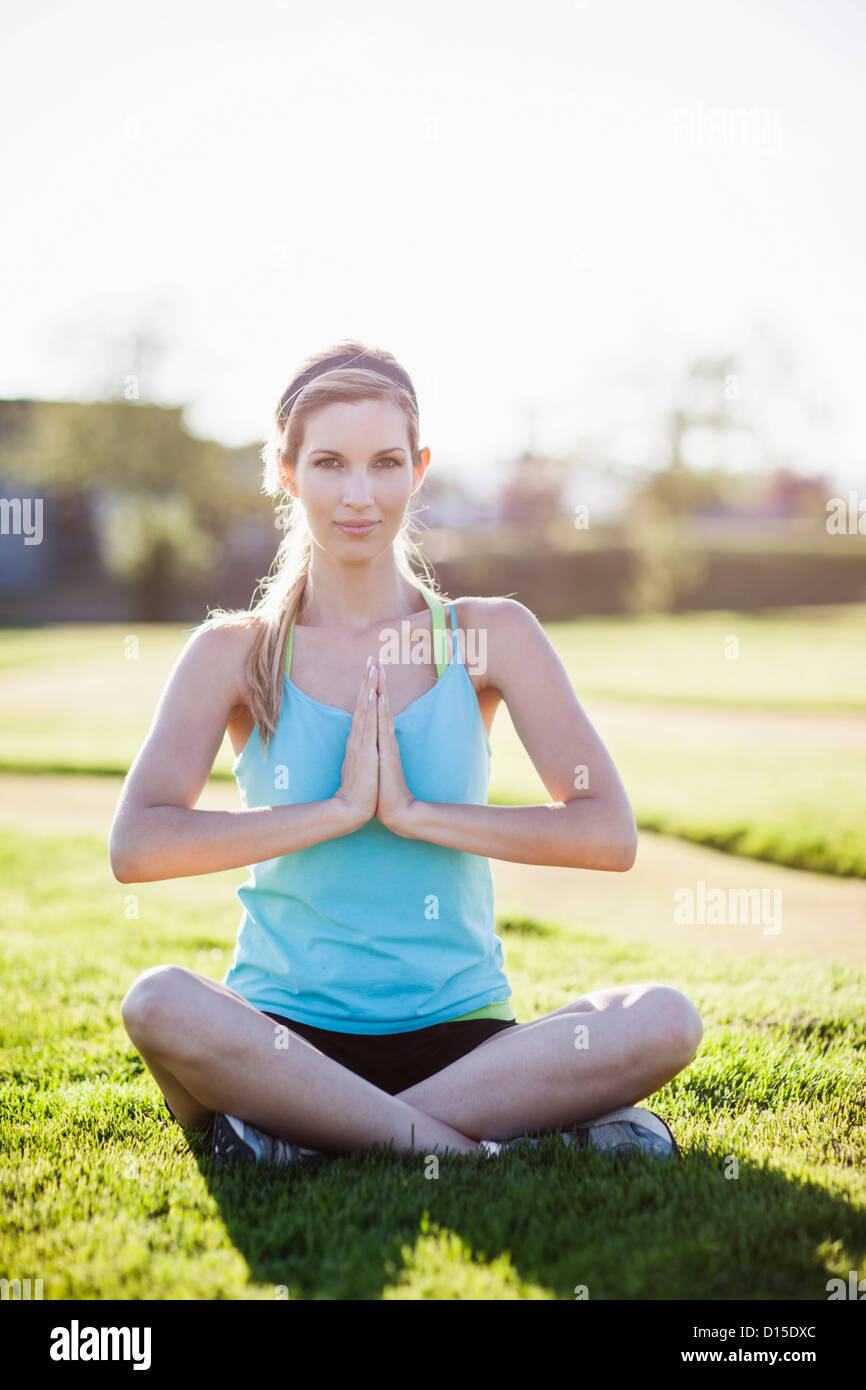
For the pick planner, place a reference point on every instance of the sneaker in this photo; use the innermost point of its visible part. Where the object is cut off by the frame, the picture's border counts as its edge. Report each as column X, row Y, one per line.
column 490, row 1148
column 235, row 1141
column 628, row 1129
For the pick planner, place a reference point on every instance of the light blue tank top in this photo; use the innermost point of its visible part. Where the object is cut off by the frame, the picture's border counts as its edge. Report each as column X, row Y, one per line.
column 371, row 932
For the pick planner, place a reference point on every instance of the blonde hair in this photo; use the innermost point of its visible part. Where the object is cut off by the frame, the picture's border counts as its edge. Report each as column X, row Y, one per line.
column 283, row 588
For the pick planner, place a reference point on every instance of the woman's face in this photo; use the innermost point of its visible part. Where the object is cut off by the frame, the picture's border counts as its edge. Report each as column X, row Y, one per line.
column 354, row 476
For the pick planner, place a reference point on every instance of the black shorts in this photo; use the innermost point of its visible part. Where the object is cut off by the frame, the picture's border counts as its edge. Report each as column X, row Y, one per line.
column 396, row 1061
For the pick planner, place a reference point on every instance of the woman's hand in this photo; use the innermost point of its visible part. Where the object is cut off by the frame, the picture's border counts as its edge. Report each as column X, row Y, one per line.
column 395, row 799
column 359, row 784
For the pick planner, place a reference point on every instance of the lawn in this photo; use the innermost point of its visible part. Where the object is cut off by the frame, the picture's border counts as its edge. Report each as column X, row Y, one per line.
column 103, row 1197
column 763, row 755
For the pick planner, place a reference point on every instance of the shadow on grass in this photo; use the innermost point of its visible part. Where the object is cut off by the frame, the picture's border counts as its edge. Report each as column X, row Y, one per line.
column 553, row 1223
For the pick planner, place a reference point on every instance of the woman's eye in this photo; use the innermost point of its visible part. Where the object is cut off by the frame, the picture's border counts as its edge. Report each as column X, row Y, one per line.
column 394, row 463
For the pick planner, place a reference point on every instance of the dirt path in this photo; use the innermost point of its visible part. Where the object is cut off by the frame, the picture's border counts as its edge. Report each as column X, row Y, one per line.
column 820, row 916
column 673, row 724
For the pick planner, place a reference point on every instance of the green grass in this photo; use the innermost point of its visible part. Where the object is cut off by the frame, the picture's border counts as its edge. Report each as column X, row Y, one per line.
column 808, row 659
column 103, row 1197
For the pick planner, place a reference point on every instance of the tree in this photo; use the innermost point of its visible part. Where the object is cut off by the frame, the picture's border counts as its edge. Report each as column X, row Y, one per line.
column 162, row 500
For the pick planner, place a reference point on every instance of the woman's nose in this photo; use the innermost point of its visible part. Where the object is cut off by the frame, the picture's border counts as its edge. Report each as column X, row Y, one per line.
column 357, row 492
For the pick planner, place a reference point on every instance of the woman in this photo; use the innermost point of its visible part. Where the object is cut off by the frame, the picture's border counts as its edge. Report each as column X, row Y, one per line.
column 366, row 1004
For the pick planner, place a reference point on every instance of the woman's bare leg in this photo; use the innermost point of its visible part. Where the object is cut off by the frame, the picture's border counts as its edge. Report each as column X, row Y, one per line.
column 611, row 1047
column 224, row 1055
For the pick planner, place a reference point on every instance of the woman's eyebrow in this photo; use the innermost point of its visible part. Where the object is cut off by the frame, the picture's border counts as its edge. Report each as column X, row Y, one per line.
column 335, row 453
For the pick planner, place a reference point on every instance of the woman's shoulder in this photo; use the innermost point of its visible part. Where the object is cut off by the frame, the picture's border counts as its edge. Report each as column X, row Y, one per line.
column 233, row 633
column 484, row 611
column 494, row 630
column 225, row 642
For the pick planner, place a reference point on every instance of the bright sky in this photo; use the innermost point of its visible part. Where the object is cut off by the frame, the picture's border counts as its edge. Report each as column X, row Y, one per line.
column 543, row 207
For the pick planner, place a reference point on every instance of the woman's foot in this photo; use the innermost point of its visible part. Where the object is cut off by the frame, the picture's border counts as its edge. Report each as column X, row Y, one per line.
column 630, row 1128
column 235, row 1141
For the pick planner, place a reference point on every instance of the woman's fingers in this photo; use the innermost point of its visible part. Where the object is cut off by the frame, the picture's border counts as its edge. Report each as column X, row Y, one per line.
column 360, row 718
column 385, row 708
column 370, row 712
column 359, row 775
column 362, row 700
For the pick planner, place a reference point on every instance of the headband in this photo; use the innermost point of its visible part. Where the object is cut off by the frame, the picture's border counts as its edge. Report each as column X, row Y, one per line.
column 348, row 359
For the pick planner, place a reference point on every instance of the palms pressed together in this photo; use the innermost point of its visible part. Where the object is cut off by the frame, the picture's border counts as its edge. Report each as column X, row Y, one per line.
column 372, row 782
column 395, row 799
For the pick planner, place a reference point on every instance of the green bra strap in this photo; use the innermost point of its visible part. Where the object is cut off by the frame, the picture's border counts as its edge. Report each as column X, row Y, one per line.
column 438, row 617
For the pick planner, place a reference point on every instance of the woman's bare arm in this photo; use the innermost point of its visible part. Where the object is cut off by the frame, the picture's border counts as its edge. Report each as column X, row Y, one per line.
column 156, row 832
column 575, row 834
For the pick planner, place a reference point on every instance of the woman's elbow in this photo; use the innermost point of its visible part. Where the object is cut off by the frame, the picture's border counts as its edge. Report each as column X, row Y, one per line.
column 613, row 847
column 621, row 850
column 119, row 869
column 122, row 865
column 626, row 856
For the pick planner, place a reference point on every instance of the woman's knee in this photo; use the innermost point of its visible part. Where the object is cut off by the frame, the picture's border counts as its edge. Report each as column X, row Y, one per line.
column 155, row 1002
column 675, row 1024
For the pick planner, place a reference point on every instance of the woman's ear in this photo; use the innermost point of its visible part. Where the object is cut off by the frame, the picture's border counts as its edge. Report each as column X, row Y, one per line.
column 286, row 477
column 422, row 463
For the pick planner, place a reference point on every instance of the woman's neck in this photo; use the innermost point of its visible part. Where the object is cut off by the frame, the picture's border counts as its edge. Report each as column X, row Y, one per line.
column 356, row 598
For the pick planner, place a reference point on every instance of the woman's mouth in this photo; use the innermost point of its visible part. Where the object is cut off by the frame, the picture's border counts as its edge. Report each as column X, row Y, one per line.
column 356, row 528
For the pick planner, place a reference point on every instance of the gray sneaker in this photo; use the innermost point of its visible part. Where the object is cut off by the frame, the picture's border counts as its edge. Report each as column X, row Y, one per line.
column 235, row 1141
column 628, row 1129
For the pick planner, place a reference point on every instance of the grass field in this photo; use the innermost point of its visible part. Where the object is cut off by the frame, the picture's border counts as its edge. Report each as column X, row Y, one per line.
column 104, row 1197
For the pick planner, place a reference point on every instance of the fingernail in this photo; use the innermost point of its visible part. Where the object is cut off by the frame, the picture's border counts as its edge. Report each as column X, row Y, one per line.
column 369, row 659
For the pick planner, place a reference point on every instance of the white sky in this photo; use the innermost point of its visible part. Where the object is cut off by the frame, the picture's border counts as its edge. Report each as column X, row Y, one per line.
column 544, row 206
